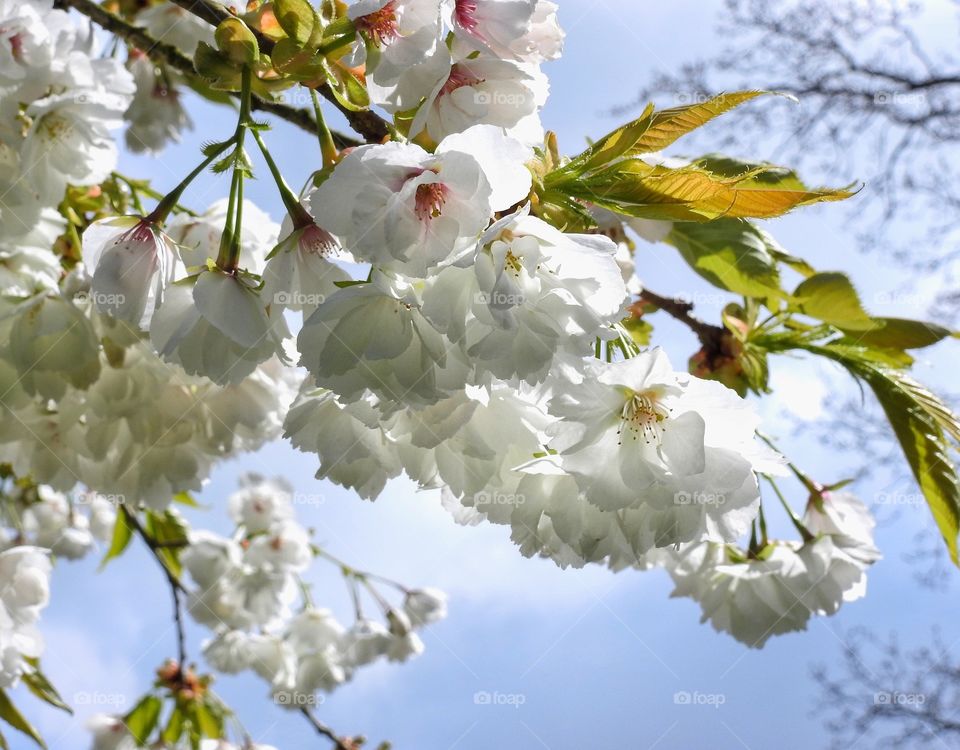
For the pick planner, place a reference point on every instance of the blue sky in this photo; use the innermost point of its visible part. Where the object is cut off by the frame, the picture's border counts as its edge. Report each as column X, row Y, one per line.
column 596, row 657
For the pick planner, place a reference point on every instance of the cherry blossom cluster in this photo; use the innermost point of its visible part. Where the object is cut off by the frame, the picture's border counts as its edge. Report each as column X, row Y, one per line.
column 447, row 331
column 244, row 589
column 25, row 572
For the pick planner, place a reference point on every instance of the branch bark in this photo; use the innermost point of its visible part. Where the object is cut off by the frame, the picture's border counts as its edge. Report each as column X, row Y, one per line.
column 339, row 743
column 168, row 55
column 709, row 335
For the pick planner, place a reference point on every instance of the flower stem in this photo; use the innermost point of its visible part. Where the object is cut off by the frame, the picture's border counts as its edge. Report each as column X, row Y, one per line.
column 327, row 147
column 297, row 212
column 228, row 258
column 170, row 201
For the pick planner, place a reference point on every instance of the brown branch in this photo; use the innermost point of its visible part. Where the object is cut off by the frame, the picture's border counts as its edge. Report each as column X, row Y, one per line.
column 167, row 54
column 176, row 587
column 710, row 335
column 368, row 124
column 339, row 743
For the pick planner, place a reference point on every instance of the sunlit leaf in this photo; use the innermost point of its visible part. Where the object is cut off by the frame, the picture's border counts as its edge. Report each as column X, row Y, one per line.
column 10, row 714
column 832, row 298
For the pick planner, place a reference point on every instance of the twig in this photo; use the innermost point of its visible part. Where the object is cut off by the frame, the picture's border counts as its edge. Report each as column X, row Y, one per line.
column 339, row 743
column 368, row 124
column 172, row 57
column 176, row 587
column 709, row 335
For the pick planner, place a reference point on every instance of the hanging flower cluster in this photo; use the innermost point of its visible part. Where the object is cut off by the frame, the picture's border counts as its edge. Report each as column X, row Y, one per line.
column 449, row 299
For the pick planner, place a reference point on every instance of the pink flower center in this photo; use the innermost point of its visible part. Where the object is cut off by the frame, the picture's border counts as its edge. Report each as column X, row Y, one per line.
column 460, row 76
column 315, row 240
column 430, row 200
column 466, row 15
column 381, row 25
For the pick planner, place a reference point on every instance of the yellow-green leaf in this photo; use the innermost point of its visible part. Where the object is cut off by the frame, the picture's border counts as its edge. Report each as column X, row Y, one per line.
column 729, row 253
column 10, row 714
column 237, row 42
column 298, row 19
column 688, row 193
column 122, row 534
column 143, row 718
column 832, row 298
column 902, row 333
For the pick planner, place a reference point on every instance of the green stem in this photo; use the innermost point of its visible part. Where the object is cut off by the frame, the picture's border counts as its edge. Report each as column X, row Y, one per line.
column 297, row 212
column 327, row 147
column 172, row 199
column 798, row 524
column 228, row 258
column 812, row 487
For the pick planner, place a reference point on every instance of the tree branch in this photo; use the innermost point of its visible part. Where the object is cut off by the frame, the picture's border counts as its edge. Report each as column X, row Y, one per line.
column 339, row 743
column 709, row 335
column 176, row 587
column 368, row 124
column 168, row 55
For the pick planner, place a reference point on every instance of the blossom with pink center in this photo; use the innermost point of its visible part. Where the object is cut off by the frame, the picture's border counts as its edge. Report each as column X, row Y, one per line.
column 132, row 262
column 398, row 207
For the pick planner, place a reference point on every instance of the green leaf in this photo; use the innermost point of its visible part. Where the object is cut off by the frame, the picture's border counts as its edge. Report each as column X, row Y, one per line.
column 122, row 534
column 208, row 719
column 174, row 728
column 921, row 422
column 655, row 130
column 168, row 529
column 143, row 718
column 185, row 498
column 831, row 297
column 237, row 42
column 348, row 89
column 297, row 18
column 901, row 333
column 688, row 193
column 40, row 686
column 667, row 125
column 729, row 253
column 10, row 714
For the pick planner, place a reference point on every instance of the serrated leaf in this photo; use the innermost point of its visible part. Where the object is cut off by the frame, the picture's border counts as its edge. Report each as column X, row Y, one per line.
column 40, row 686
column 668, row 125
column 832, row 298
column 689, row 193
column 901, row 333
column 122, row 534
column 297, row 18
column 348, row 89
column 729, row 253
column 237, row 42
column 920, row 421
column 143, row 718
column 10, row 714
